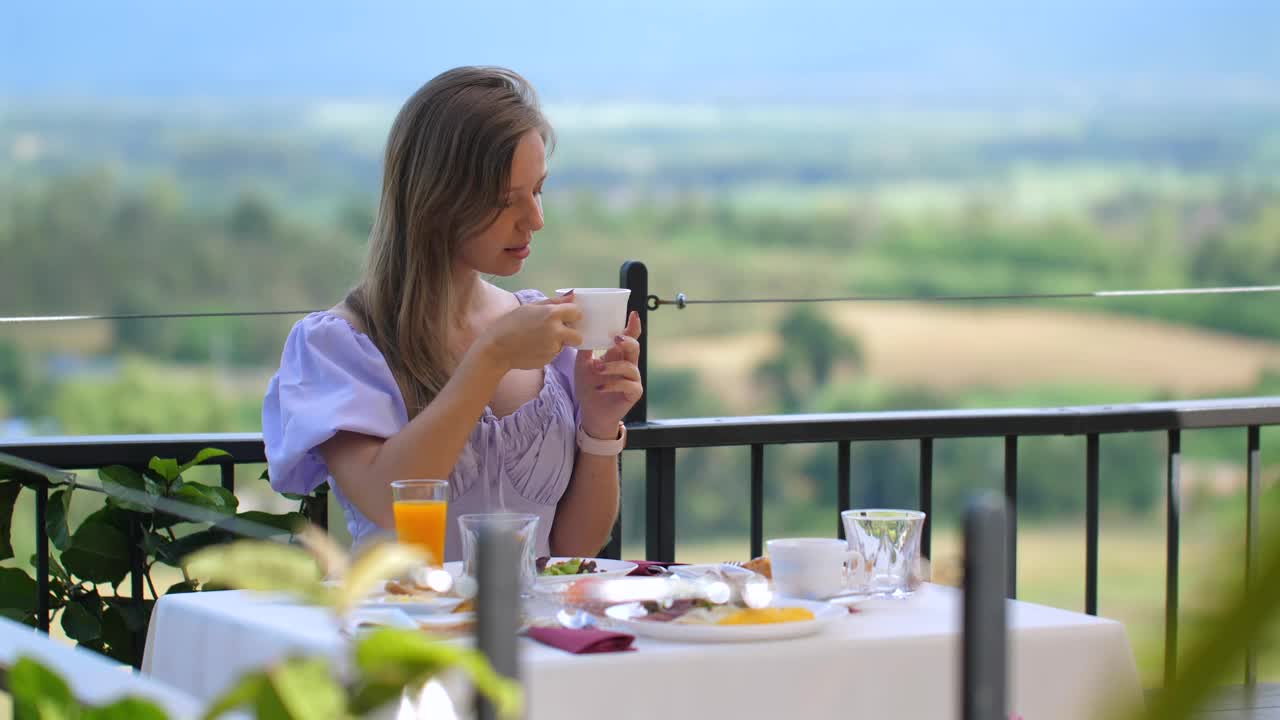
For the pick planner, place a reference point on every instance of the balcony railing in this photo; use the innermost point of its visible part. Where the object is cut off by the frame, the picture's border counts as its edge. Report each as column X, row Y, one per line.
column 660, row 440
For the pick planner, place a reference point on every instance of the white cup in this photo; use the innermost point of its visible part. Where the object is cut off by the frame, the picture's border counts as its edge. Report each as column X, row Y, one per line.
column 808, row 568
column 604, row 315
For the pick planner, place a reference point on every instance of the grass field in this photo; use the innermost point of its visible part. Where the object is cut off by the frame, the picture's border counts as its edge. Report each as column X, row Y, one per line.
column 955, row 348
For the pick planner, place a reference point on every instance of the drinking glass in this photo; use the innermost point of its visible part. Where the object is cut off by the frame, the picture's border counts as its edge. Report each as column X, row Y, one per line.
column 421, row 509
column 525, row 528
column 885, row 545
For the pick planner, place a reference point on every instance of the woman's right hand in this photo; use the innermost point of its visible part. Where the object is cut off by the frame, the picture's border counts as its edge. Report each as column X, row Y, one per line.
column 531, row 336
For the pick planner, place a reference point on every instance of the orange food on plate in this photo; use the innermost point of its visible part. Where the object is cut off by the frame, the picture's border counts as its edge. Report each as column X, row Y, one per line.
column 761, row 566
column 761, row 616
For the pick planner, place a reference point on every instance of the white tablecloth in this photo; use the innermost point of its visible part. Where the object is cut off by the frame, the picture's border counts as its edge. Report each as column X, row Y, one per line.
column 894, row 659
column 93, row 678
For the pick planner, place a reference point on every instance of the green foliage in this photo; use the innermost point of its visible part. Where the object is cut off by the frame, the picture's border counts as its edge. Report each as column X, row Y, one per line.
column 39, row 694
column 96, row 557
column 141, row 400
column 811, row 348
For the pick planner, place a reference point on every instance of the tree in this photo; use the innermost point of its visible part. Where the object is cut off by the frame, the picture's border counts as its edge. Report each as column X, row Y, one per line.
column 812, row 349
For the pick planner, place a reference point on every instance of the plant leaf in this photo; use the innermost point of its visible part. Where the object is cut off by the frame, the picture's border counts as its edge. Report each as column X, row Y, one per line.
column 202, row 456
column 80, row 622
column 166, row 468
column 55, row 519
column 126, row 709
column 285, row 524
column 122, row 643
column 9, row 490
column 391, row 658
column 186, row 586
column 374, row 566
column 99, row 551
column 333, row 559
column 261, row 565
column 209, row 497
column 38, row 692
column 245, row 691
column 306, row 688
column 136, row 614
column 128, row 489
column 175, row 552
column 17, row 590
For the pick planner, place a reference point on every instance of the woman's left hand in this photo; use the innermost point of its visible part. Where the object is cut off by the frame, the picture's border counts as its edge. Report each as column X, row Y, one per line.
column 609, row 386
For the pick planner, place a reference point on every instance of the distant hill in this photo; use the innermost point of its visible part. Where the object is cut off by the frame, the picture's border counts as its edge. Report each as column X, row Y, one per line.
column 1072, row 51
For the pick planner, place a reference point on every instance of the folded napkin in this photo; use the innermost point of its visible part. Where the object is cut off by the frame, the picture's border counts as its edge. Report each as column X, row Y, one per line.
column 586, row 640
column 643, row 567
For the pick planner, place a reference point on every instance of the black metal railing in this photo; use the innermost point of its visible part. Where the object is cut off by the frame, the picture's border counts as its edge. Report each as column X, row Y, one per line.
column 660, row 440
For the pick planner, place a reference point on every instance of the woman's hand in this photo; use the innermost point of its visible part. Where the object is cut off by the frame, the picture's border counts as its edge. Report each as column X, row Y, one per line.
column 531, row 336
column 609, row 386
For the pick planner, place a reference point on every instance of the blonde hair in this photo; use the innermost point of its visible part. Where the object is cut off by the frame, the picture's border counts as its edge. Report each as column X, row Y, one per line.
column 447, row 167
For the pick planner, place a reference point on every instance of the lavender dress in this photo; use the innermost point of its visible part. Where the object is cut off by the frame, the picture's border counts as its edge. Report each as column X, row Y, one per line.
column 332, row 378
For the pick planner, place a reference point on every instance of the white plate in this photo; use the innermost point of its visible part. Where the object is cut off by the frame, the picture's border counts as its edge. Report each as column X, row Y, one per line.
column 823, row 615
column 413, row 604
column 604, row 568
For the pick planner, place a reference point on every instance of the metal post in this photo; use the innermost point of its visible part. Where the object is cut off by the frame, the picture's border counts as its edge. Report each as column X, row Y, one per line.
column 660, row 502
column 926, row 496
column 1173, row 506
column 42, row 555
column 757, row 501
column 497, row 606
column 1091, row 525
column 635, row 276
column 1011, row 510
column 985, row 643
column 843, row 473
column 1253, row 464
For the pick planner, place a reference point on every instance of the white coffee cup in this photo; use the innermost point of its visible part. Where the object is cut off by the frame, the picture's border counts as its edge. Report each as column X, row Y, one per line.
column 809, row 568
column 604, row 315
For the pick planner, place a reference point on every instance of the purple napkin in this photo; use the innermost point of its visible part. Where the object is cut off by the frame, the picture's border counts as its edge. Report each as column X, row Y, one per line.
column 586, row 640
column 643, row 567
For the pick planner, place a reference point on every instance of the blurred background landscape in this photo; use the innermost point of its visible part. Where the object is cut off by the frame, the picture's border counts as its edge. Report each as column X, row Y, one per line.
column 157, row 158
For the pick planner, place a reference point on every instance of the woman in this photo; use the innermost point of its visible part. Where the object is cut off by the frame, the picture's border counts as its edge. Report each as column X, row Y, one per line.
column 426, row 370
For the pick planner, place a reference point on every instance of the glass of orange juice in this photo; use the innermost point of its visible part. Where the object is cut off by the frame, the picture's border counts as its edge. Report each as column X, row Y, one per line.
column 421, row 509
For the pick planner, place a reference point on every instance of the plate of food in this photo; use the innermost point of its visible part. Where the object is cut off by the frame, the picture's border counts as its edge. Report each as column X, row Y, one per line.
column 566, row 569
column 700, row 621
column 414, row 599
column 557, row 570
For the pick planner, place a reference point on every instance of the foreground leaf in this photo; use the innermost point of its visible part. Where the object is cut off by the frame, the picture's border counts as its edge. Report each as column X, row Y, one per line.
column 390, row 659
column 372, row 567
column 306, row 689
column 244, row 692
column 126, row 709
column 261, row 565
column 38, row 692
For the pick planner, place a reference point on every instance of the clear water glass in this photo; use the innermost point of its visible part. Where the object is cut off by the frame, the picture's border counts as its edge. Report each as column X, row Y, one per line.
column 884, row 547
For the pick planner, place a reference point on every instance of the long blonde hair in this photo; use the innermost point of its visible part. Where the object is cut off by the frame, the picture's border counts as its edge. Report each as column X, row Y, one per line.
column 447, row 166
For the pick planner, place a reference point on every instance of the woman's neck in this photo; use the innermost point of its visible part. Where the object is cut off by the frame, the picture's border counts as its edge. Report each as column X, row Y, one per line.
column 470, row 295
